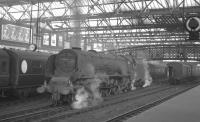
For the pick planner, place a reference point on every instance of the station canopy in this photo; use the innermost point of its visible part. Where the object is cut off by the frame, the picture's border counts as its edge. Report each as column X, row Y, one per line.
column 56, row 11
column 110, row 20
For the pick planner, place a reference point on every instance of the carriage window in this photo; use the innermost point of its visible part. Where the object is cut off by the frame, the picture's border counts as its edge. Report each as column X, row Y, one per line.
column 3, row 66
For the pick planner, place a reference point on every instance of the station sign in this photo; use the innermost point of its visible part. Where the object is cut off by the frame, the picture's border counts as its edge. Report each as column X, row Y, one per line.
column 15, row 33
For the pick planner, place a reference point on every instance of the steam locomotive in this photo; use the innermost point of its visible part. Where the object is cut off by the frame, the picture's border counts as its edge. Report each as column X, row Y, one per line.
column 21, row 72
column 73, row 69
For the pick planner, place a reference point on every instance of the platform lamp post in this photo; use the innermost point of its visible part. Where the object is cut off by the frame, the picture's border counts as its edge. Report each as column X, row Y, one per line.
column 30, row 35
column 38, row 24
column 32, row 46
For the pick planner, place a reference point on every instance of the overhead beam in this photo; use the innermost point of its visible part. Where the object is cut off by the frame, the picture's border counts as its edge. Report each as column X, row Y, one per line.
column 146, row 33
column 21, row 2
column 123, row 27
column 104, row 41
column 162, row 52
column 133, row 14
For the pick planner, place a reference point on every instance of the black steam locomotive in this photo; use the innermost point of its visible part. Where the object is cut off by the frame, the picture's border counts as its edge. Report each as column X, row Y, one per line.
column 72, row 69
column 77, row 66
column 21, row 72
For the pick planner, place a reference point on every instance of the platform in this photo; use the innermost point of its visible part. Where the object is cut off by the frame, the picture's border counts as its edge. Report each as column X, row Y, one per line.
column 182, row 108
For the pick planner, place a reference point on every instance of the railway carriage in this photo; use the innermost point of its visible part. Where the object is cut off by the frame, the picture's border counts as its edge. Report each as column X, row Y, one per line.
column 158, row 71
column 21, row 71
column 179, row 71
column 4, row 69
column 195, row 70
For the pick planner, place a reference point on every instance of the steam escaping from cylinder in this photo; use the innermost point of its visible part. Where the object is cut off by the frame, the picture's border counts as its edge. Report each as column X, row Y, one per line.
column 89, row 95
column 42, row 88
column 142, row 77
column 81, row 98
column 133, row 82
column 147, row 76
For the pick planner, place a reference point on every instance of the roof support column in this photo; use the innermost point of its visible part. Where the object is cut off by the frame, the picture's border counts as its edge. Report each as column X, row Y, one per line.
column 76, row 41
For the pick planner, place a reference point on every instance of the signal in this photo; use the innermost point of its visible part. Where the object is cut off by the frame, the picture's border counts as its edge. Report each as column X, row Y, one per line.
column 193, row 27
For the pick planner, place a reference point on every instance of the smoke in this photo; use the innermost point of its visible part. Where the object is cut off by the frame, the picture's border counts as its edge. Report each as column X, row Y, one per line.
column 132, row 85
column 141, row 71
column 81, row 97
column 89, row 95
column 42, row 88
column 133, row 82
column 94, row 87
column 147, row 76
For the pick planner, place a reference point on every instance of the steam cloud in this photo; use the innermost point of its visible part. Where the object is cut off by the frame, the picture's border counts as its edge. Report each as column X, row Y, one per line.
column 141, row 71
column 81, row 97
column 89, row 95
column 147, row 76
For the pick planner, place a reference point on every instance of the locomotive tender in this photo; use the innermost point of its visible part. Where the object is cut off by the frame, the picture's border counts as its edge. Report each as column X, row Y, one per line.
column 21, row 72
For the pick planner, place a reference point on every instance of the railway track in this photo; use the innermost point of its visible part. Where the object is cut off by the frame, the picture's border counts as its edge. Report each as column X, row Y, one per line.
column 31, row 114
column 15, row 115
column 138, row 91
column 7, row 101
column 45, row 112
column 48, row 113
column 110, row 103
column 134, row 112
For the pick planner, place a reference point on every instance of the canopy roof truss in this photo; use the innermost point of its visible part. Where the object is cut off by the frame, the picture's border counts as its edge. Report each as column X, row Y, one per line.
column 125, row 22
